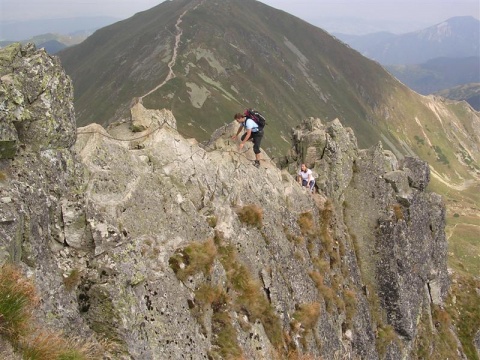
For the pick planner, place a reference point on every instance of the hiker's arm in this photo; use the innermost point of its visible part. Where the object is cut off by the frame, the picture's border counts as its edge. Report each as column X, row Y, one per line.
column 247, row 136
column 238, row 132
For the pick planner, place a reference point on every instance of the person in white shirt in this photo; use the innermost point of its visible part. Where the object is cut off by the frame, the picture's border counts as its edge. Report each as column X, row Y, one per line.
column 305, row 177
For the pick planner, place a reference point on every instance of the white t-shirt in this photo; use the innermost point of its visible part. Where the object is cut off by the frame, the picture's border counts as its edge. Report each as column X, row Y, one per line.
column 305, row 174
column 249, row 124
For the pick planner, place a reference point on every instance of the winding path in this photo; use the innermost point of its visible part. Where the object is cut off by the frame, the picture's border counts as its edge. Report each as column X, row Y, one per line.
column 172, row 62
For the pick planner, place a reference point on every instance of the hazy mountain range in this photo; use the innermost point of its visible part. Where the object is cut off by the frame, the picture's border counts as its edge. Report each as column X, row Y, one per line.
column 457, row 37
column 437, row 58
column 23, row 30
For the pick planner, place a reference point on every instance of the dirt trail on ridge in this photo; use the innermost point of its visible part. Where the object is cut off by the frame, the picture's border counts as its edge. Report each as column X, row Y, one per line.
column 171, row 64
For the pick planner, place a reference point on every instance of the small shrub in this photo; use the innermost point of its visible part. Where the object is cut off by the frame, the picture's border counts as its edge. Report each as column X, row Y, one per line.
column 251, row 215
column 419, row 140
column 3, row 176
column 440, row 155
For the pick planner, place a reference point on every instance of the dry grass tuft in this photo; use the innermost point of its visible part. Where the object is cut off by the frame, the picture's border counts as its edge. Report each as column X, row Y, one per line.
column 398, row 212
column 251, row 215
column 307, row 315
column 306, row 223
column 17, row 301
column 196, row 257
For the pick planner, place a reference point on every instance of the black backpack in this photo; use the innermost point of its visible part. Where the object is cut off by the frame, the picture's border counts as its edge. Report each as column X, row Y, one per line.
column 257, row 117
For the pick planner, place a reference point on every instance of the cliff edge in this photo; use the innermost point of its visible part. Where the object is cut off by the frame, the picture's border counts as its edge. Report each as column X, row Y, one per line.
column 186, row 250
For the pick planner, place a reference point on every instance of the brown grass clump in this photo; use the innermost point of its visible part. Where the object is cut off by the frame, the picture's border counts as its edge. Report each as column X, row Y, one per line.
column 196, row 257
column 46, row 345
column 350, row 304
column 398, row 212
column 251, row 215
column 306, row 223
column 307, row 315
column 17, row 301
column 249, row 295
column 327, row 293
column 385, row 335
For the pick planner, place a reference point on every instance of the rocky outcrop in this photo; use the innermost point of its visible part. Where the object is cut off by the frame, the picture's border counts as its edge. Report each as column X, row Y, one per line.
column 170, row 248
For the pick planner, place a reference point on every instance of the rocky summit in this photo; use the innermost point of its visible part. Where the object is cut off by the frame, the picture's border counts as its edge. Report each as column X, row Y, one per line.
column 155, row 246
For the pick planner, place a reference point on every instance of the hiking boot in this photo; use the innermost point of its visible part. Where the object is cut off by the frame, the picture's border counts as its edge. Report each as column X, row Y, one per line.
column 256, row 163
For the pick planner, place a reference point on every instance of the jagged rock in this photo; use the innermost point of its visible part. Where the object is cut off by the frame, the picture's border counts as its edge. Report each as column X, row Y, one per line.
column 143, row 119
column 397, row 229
column 419, row 174
column 40, row 177
column 188, row 250
column 37, row 101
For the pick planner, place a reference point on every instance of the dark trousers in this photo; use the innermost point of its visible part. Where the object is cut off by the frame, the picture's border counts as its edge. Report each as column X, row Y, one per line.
column 256, row 138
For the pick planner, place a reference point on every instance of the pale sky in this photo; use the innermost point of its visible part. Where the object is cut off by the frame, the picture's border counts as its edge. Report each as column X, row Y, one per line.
column 415, row 12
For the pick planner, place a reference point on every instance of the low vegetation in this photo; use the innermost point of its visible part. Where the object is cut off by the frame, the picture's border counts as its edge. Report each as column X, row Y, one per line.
column 245, row 297
column 251, row 215
column 196, row 257
column 463, row 311
column 18, row 300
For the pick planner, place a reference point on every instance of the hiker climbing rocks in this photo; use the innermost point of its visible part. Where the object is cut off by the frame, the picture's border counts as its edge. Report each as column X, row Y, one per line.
column 305, row 177
column 253, row 133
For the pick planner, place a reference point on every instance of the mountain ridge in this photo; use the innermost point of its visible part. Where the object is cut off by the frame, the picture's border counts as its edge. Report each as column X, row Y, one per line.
column 455, row 37
column 283, row 66
column 151, row 245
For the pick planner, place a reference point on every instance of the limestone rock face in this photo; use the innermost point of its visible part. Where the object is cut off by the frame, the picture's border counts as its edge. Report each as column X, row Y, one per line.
column 41, row 181
column 36, row 97
column 186, row 250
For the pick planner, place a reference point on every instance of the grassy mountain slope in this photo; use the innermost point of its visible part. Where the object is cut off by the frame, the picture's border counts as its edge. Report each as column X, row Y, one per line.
column 468, row 92
column 270, row 60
